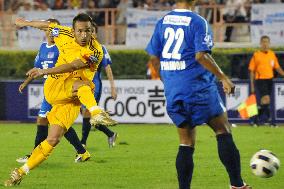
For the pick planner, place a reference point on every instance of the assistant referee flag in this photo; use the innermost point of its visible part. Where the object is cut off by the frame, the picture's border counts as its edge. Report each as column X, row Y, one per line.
column 248, row 108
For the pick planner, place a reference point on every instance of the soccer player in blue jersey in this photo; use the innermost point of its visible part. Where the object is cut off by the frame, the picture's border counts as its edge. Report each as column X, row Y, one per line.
column 86, row 126
column 180, row 47
column 46, row 58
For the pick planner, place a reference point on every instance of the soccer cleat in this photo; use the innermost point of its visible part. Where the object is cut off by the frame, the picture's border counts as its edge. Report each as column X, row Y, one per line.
column 102, row 119
column 23, row 159
column 82, row 157
column 245, row 186
column 15, row 178
column 111, row 140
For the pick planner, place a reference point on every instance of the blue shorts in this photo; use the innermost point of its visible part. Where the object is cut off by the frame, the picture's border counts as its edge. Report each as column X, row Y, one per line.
column 45, row 107
column 205, row 106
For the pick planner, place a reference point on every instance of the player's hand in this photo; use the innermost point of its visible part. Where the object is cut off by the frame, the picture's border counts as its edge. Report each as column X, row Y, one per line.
column 113, row 93
column 228, row 86
column 21, row 87
column 35, row 72
column 252, row 91
column 20, row 22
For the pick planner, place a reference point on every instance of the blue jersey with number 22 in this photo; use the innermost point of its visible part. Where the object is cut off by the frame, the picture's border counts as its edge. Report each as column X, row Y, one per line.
column 177, row 37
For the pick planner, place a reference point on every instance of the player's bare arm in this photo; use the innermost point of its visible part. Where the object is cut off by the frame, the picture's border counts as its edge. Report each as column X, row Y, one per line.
column 110, row 78
column 24, row 84
column 251, row 76
column 280, row 71
column 207, row 61
column 156, row 64
column 39, row 24
column 64, row 68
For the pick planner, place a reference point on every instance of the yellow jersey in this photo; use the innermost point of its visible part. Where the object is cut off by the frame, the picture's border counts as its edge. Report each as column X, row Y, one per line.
column 58, row 87
column 69, row 51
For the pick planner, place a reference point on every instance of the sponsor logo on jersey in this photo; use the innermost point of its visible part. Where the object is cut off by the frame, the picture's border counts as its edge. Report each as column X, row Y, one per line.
column 50, row 55
column 177, row 20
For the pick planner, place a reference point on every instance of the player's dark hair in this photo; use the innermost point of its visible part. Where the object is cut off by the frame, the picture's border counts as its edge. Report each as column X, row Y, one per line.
column 81, row 17
column 53, row 20
column 264, row 37
column 95, row 26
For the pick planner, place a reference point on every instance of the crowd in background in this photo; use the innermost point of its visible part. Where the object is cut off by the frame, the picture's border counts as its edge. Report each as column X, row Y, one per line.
column 16, row 5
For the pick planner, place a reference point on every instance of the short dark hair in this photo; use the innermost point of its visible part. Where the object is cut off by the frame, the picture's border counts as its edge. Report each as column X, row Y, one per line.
column 95, row 26
column 265, row 37
column 53, row 20
column 82, row 17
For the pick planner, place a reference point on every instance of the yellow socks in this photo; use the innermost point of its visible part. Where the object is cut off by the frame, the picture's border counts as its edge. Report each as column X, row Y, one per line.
column 39, row 154
column 86, row 97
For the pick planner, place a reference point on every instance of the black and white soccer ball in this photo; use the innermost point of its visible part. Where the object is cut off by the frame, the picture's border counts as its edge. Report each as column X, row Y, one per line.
column 264, row 164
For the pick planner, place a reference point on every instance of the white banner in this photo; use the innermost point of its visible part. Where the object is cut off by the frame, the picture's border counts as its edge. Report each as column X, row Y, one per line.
column 30, row 38
column 35, row 98
column 138, row 101
column 233, row 101
column 279, row 101
column 268, row 19
column 140, row 26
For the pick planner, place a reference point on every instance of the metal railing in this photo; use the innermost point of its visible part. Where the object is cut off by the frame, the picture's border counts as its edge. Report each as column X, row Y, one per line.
column 112, row 34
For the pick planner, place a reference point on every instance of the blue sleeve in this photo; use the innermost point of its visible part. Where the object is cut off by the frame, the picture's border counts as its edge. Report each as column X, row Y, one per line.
column 203, row 41
column 106, row 59
column 56, row 55
column 154, row 47
column 37, row 63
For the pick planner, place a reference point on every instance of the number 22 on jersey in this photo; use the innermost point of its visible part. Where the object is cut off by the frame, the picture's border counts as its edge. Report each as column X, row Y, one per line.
column 173, row 37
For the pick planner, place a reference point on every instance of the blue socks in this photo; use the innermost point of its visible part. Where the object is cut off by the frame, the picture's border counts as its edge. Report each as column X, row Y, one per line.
column 86, row 127
column 41, row 134
column 184, row 166
column 230, row 157
column 72, row 137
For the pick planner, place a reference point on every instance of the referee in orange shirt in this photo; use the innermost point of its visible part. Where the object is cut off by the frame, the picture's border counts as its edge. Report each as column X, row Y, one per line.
column 261, row 68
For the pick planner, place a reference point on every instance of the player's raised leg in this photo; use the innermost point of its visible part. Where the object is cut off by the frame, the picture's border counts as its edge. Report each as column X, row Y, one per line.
column 227, row 150
column 184, row 159
column 84, row 93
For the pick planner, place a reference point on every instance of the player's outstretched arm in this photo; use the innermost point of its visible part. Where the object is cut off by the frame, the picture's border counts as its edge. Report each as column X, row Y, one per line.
column 39, row 24
column 24, row 84
column 207, row 61
column 64, row 68
column 110, row 78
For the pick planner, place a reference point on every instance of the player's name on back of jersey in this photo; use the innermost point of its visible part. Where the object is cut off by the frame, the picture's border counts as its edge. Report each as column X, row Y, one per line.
column 172, row 65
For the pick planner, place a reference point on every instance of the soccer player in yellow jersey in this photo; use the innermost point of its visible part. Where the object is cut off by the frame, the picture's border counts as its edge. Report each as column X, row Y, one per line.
column 68, row 85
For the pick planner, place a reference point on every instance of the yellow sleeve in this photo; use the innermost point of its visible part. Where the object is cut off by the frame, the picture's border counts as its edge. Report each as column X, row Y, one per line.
column 61, row 34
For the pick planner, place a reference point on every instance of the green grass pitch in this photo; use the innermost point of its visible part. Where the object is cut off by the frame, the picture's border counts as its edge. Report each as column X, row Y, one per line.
column 144, row 158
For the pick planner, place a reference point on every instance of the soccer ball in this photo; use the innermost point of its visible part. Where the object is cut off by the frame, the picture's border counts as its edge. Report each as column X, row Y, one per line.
column 264, row 164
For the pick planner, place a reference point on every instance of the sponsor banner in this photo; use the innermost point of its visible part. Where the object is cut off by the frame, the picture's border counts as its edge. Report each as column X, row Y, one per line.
column 31, row 38
column 138, row 101
column 35, row 98
column 140, row 26
column 279, row 101
column 233, row 101
column 267, row 19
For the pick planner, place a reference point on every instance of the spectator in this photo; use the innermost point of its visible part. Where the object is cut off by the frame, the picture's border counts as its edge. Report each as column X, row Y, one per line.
column 234, row 12
column 59, row 4
column 261, row 68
